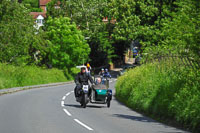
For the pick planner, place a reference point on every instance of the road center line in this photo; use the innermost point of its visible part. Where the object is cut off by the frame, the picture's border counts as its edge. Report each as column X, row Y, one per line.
column 82, row 124
column 62, row 103
column 68, row 94
column 63, row 97
column 67, row 112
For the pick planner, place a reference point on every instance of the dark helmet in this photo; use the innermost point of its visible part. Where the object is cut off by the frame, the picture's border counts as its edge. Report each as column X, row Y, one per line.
column 83, row 67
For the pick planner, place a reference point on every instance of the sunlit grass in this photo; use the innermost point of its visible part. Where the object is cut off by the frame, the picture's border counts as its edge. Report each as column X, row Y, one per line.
column 15, row 76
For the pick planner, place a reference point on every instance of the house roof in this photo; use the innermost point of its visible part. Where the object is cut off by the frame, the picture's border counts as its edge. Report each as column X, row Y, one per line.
column 36, row 14
column 44, row 2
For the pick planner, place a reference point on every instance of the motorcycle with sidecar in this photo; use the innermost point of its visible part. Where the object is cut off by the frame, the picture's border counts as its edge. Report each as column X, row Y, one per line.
column 98, row 93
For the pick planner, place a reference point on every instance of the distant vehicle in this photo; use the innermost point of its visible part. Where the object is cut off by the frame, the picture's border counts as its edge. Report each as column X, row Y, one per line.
column 135, row 52
column 128, row 67
column 125, row 68
column 121, row 72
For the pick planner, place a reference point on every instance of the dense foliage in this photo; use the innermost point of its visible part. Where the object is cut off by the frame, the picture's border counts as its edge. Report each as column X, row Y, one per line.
column 159, row 26
column 17, row 33
column 68, row 47
column 88, row 15
column 60, row 44
column 163, row 90
column 32, row 5
column 170, row 25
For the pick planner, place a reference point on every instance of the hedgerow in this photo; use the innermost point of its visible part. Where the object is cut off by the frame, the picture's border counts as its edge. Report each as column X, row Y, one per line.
column 164, row 90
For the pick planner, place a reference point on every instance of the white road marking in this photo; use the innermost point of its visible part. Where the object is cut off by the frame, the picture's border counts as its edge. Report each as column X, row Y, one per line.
column 62, row 103
column 72, row 91
column 68, row 94
column 82, row 124
column 63, row 97
column 67, row 112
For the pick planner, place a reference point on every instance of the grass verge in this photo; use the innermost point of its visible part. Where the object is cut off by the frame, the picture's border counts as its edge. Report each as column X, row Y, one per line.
column 163, row 90
column 15, row 76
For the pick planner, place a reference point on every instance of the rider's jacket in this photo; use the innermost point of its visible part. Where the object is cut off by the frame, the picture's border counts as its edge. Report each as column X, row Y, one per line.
column 107, row 74
column 101, row 73
column 82, row 79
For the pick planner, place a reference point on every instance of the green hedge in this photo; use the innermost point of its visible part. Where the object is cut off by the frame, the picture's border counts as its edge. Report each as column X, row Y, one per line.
column 15, row 76
column 163, row 90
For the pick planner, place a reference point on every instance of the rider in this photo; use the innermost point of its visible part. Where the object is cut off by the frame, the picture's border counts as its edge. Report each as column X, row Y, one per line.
column 98, row 81
column 106, row 74
column 82, row 79
column 101, row 72
column 88, row 68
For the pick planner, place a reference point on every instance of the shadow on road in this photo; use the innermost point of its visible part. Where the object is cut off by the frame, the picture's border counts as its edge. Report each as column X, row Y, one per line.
column 79, row 106
column 146, row 119
column 95, row 106
column 169, row 132
column 135, row 118
column 73, row 105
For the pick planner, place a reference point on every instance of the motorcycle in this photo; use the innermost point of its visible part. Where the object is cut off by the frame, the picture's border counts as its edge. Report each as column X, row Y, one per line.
column 98, row 94
column 83, row 99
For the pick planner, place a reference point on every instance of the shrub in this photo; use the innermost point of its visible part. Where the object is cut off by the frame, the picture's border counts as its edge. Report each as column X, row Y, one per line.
column 164, row 91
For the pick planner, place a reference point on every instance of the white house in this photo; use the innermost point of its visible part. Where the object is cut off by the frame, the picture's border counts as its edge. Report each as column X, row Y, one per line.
column 39, row 18
column 39, row 21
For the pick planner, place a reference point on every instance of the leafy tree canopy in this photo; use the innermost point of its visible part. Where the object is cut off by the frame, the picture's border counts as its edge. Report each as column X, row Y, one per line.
column 17, row 33
column 67, row 45
column 88, row 15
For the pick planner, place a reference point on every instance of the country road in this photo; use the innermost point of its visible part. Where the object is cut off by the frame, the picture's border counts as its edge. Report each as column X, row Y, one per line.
column 54, row 110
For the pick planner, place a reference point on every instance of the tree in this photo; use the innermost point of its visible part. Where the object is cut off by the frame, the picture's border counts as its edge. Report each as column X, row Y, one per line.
column 67, row 46
column 88, row 15
column 17, row 33
column 170, row 25
column 32, row 5
column 101, row 46
column 181, row 32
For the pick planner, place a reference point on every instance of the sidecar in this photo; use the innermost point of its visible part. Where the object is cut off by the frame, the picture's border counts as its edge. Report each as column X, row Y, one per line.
column 101, row 93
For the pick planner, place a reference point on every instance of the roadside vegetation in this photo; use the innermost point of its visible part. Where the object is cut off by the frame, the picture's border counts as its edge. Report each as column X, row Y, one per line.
column 29, row 56
column 18, row 76
column 165, row 91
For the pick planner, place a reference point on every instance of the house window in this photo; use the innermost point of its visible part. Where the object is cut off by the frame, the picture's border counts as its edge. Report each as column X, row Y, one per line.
column 39, row 21
column 56, row 7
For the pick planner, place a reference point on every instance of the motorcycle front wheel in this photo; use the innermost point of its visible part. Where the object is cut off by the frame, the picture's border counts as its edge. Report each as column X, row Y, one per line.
column 84, row 100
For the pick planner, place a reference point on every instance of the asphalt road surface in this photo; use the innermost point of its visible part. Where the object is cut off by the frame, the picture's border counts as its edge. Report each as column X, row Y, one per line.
column 54, row 110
